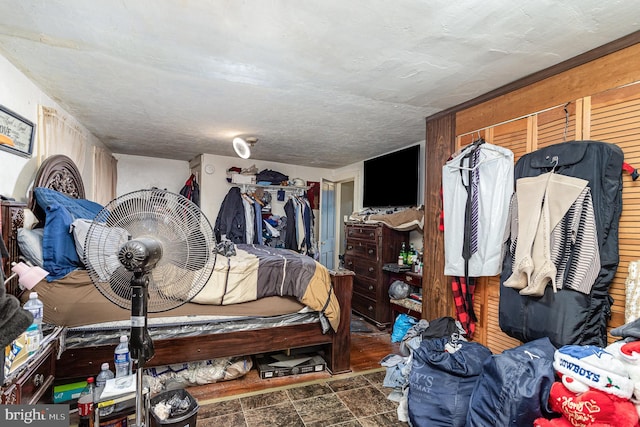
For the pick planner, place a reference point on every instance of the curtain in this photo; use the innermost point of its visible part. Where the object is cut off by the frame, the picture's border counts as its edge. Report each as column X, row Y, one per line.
column 56, row 135
column 105, row 175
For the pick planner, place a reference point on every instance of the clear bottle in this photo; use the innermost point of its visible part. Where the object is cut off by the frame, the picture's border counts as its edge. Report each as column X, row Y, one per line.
column 36, row 308
column 122, row 358
column 85, row 404
column 101, row 380
column 33, row 338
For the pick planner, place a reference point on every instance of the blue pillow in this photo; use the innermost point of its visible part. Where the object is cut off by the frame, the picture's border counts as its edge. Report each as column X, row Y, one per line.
column 58, row 246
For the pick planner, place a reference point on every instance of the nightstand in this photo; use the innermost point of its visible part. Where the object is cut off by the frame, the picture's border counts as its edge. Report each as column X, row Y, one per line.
column 30, row 382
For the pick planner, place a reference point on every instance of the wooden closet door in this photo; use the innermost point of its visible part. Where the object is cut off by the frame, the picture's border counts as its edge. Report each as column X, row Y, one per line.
column 614, row 116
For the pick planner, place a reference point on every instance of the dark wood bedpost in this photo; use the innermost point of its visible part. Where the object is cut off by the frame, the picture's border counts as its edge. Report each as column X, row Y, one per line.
column 340, row 354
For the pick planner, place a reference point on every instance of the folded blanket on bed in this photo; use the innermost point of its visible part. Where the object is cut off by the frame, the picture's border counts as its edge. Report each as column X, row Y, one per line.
column 260, row 271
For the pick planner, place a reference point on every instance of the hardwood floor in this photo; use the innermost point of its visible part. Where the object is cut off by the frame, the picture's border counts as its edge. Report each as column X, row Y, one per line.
column 368, row 346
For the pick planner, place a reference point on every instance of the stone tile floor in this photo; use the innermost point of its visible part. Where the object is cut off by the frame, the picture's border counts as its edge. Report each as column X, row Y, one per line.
column 356, row 400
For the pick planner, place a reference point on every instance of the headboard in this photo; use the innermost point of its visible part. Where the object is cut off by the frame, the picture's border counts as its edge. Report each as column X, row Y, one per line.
column 56, row 172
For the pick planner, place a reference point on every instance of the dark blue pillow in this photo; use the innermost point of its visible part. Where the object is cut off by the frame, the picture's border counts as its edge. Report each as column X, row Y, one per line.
column 58, row 246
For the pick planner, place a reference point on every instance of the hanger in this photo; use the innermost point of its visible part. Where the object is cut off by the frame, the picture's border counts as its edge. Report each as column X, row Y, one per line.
column 479, row 143
column 566, row 122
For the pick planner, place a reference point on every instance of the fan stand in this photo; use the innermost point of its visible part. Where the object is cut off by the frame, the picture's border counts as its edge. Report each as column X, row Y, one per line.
column 140, row 342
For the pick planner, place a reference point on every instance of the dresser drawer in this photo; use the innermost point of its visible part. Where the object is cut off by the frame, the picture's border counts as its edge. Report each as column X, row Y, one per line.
column 362, row 249
column 31, row 386
column 364, row 306
column 363, row 233
column 366, row 287
column 361, row 267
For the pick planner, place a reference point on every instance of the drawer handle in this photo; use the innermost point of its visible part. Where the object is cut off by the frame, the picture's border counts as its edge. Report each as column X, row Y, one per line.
column 408, row 278
column 371, row 269
column 350, row 232
column 38, row 380
column 372, row 234
column 350, row 263
column 370, row 251
column 370, row 287
column 370, row 308
column 350, row 247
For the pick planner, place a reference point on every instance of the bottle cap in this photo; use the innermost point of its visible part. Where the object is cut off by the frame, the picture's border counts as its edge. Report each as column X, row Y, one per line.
column 124, row 338
column 89, row 380
column 33, row 295
column 105, row 366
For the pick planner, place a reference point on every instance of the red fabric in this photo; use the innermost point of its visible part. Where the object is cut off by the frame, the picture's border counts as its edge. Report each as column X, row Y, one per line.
column 460, row 290
column 630, row 348
column 593, row 408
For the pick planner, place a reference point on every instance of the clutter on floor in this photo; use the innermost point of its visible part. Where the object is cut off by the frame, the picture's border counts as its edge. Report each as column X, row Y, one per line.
column 441, row 379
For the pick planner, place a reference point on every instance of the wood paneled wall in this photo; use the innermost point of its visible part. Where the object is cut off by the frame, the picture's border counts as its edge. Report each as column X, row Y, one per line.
column 598, row 100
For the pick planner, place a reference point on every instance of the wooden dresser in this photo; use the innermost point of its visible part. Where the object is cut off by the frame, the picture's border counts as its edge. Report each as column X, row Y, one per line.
column 368, row 248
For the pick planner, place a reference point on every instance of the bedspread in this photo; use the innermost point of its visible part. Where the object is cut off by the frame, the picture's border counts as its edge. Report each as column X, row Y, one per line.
column 261, row 271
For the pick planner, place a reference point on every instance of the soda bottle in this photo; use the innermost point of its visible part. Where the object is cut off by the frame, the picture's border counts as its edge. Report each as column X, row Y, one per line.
column 85, row 405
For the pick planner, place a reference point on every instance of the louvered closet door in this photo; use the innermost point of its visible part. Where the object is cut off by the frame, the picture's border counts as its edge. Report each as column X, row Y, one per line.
column 549, row 126
column 615, row 118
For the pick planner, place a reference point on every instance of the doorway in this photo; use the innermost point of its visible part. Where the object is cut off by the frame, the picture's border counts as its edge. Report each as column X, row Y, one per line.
column 336, row 204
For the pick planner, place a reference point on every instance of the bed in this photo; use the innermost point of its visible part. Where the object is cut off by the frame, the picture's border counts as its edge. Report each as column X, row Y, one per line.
column 191, row 332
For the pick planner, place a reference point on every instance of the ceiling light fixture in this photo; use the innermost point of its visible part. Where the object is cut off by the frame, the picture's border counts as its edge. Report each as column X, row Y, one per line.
column 242, row 146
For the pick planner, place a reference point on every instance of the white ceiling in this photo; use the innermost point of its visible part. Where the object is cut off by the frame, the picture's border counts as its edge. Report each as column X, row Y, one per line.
column 320, row 83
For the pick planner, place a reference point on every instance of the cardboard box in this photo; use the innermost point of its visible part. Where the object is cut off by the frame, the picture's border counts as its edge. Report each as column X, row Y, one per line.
column 67, row 392
column 282, row 365
column 238, row 178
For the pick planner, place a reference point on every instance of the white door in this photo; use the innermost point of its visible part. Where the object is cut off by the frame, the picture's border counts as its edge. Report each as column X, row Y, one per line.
column 327, row 244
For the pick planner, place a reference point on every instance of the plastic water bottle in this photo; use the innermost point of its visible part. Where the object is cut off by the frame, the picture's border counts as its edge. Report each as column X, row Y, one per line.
column 101, row 380
column 36, row 308
column 33, row 338
column 122, row 358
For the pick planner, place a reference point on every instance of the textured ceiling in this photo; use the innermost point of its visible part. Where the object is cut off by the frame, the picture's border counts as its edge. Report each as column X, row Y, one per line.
column 320, row 83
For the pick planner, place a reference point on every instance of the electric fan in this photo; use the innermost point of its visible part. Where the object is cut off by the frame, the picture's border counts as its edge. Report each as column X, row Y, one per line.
column 149, row 251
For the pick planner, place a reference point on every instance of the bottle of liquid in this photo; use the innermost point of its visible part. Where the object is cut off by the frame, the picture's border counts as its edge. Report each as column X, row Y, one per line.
column 403, row 254
column 36, row 308
column 122, row 358
column 412, row 255
column 33, row 338
column 101, row 380
column 85, row 405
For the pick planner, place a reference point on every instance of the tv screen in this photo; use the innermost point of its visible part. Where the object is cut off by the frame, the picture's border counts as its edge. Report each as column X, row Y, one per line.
column 391, row 180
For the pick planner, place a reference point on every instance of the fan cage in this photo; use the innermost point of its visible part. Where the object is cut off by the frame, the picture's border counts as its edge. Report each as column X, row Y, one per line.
column 176, row 223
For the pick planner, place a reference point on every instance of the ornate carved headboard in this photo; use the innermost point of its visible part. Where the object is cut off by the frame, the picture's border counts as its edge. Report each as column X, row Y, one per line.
column 57, row 173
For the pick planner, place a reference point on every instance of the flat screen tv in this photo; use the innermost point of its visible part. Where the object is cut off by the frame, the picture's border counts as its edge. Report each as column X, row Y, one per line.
column 391, row 180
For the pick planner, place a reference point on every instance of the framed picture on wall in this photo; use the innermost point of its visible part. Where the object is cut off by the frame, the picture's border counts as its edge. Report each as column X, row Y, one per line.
column 16, row 133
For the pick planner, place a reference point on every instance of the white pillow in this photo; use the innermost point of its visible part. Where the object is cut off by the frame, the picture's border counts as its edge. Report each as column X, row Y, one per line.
column 114, row 238
column 30, row 244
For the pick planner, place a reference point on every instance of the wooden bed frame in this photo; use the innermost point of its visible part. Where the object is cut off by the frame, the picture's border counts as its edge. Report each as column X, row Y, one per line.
column 60, row 173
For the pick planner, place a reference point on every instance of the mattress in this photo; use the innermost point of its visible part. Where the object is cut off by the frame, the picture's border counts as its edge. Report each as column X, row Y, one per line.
column 74, row 301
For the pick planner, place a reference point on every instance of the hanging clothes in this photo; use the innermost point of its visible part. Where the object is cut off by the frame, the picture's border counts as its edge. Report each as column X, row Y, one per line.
column 483, row 191
column 570, row 316
column 230, row 223
column 191, row 190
